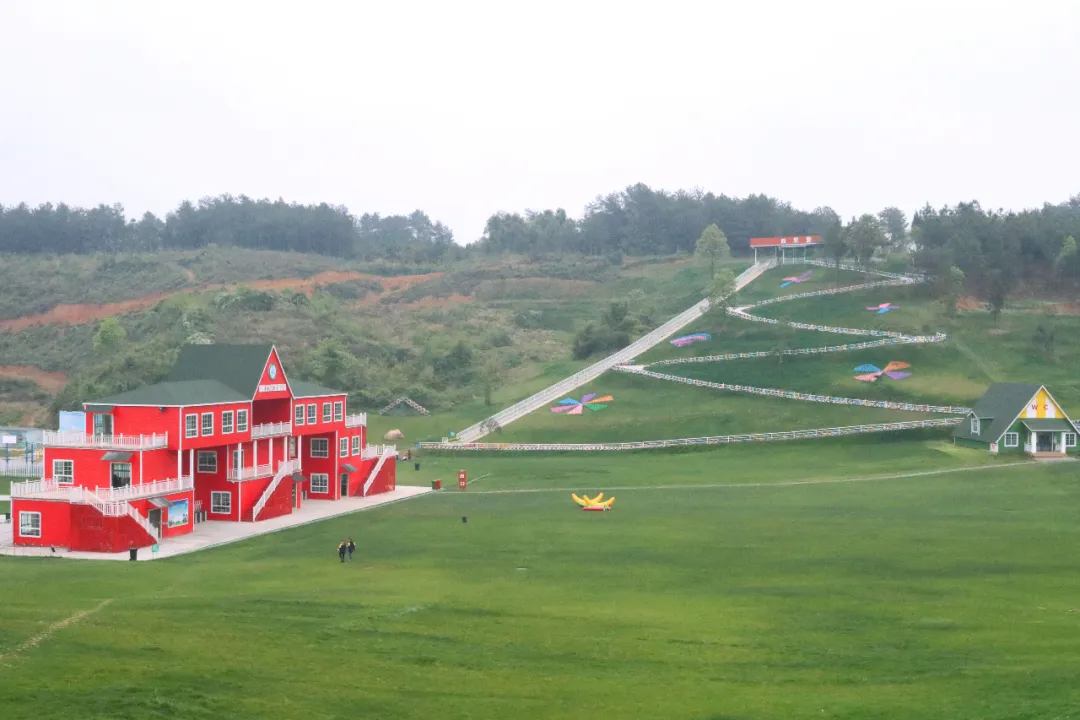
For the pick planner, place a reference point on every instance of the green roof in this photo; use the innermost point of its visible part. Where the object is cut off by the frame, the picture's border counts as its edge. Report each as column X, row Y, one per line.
column 190, row 392
column 305, row 389
column 1048, row 424
column 238, row 367
column 997, row 409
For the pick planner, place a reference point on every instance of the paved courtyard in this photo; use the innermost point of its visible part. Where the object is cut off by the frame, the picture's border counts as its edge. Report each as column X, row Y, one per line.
column 212, row 534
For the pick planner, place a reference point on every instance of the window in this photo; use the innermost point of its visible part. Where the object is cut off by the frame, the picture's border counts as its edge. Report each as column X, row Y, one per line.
column 975, row 430
column 63, row 471
column 292, row 448
column 191, row 426
column 208, row 461
column 320, row 483
column 103, row 424
column 1070, row 441
column 207, row 424
column 326, row 412
column 241, row 421
column 343, row 447
column 238, row 458
column 1012, row 439
column 221, row 503
column 299, row 415
column 311, row 414
column 120, row 474
column 320, row 448
column 339, row 411
column 30, row 524
column 355, row 444
column 227, row 422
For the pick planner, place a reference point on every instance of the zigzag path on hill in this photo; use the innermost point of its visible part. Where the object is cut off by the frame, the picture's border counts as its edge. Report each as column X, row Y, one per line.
column 80, row 314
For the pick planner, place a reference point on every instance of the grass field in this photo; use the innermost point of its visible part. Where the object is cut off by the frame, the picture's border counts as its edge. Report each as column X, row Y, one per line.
column 928, row 596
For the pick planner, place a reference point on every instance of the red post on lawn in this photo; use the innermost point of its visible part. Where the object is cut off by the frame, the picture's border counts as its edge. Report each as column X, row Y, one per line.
column 461, row 481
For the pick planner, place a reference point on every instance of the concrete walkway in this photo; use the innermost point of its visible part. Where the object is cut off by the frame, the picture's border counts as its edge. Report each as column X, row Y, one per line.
column 212, row 534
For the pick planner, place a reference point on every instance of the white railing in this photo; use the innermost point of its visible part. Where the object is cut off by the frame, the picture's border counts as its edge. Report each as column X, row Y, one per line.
column 30, row 488
column 285, row 468
column 526, row 406
column 249, row 473
column 389, row 451
column 271, row 430
column 118, row 508
column 144, row 490
column 907, row 277
column 20, row 468
column 357, row 420
column 682, row 442
column 106, row 442
column 142, row 521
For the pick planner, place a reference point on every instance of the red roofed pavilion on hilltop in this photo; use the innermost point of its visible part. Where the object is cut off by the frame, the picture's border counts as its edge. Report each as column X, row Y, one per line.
column 781, row 245
column 226, row 437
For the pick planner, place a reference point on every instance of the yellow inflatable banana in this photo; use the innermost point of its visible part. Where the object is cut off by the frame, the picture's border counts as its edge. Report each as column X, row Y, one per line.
column 596, row 502
column 583, row 502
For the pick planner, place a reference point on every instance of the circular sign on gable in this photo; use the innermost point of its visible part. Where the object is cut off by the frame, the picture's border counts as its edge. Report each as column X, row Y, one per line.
column 273, row 371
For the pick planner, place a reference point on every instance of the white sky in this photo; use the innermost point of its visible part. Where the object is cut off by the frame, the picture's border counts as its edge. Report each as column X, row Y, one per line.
column 466, row 108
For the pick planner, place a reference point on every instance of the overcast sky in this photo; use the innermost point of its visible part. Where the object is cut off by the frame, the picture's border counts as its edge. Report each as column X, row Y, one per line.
column 466, row 108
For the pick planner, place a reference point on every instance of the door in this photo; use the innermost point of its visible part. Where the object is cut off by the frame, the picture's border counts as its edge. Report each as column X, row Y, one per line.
column 121, row 474
column 1044, row 442
column 294, row 503
column 154, row 516
column 344, row 484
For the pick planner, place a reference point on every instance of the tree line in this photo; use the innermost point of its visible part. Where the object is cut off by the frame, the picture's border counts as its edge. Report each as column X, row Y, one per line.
column 227, row 221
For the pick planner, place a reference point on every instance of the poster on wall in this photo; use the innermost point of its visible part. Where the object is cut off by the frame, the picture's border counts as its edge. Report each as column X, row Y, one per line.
column 178, row 513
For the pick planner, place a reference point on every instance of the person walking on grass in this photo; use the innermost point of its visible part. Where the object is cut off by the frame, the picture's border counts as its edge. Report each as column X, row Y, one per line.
column 341, row 549
column 352, row 548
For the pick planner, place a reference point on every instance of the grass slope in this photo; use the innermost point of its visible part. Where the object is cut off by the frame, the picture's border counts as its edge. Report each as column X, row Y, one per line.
column 920, row 597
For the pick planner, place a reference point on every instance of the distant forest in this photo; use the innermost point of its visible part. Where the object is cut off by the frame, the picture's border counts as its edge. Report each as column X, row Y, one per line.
column 992, row 250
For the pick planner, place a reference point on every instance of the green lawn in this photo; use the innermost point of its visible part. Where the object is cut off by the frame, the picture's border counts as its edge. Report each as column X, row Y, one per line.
column 929, row 596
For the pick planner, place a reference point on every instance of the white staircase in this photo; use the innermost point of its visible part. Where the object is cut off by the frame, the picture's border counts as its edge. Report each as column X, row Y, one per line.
column 552, row 393
column 114, row 508
column 388, row 451
column 285, row 469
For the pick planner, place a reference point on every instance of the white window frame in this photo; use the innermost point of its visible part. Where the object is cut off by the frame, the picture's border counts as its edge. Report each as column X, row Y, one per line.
column 202, row 425
column 29, row 514
column 324, row 448
column 355, row 444
column 191, row 425
column 343, row 447
column 298, row 415
column 215, row 502
column 320, row 479
column 339, row 411
column 326, row 416
column 312, row 418
column 56, row 476
column 1015, row 439
column 241, row 421
column 1070, row 436
column 227, row 427
column 199, row 467
column 292, row 448
column 976, row 426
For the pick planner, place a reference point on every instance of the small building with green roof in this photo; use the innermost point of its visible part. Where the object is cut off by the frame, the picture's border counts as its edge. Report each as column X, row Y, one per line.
column 1018, row 418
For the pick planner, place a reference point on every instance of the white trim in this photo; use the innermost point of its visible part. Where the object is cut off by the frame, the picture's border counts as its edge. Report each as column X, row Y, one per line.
column 227, row 494
column 198, row 462
column 298, row 418
column 186, row 435
column 325, row 477
column 247, row 420
column 20, row 519
column 339, row 411
column 1022, row 415
column 202, row 424
column 231, row 414
column 57, row 477
column 355, row 444
column 1015, row 440
column 327, row 412
column 976, row 426
column 273, row 352
column 312, row 414
column 311, row 448
column 1066, row 442
column 315, row 397
column 343, row 447
column 159, row 405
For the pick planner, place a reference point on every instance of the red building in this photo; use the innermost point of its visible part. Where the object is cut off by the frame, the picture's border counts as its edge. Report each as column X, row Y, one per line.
column 227, row 437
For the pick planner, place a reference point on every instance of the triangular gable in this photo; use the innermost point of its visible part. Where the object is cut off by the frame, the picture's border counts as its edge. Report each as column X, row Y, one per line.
column 1041, row 406
column 273, row 385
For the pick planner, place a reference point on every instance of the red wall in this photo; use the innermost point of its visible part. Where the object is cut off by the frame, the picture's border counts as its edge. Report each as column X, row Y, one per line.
column 218, row 438
column 141, row 421
column 205, row 484
column 280, row 502
column 319, row 426
column 321, row 465
column 386, row 480
column 55, row 522
column 272, row 411
column 93, row 472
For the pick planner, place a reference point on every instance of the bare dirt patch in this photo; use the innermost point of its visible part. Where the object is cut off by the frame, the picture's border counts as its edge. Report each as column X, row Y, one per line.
column 969, row 304
column 81, row 314
column 438, row 302
column 50, row 381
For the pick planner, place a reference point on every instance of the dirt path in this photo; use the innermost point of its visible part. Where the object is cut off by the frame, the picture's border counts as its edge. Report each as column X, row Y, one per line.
column 50, row 381
column 80, row 314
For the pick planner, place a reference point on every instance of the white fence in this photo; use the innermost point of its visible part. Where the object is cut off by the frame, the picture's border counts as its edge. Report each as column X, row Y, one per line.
column 271, row 430
column 526, row 406
column 906, row 277
column 249, row 473
column 106, row 442
column 684, row 442
column 18, row 467
column 144, row 490
column 357, row 420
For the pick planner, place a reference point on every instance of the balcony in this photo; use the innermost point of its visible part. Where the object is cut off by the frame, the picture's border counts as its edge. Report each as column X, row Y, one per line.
column 249, row 473
column 106, row 442
column 271, row 430
column 145, row 490
column 355, row 421
column 49, row 489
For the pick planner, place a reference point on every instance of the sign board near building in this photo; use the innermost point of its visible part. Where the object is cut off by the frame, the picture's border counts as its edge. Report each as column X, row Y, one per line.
column 8, row 440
